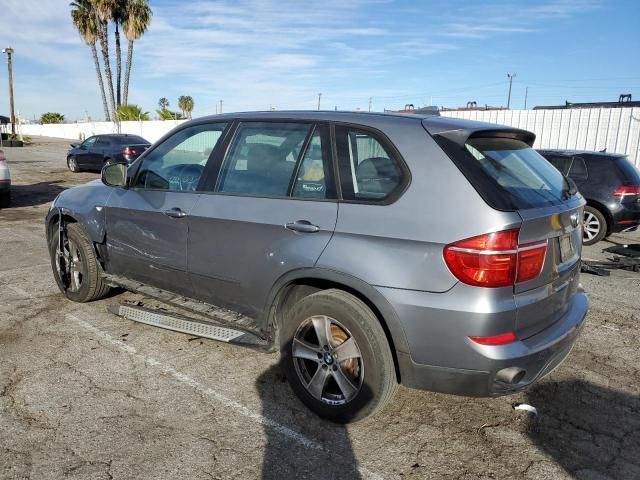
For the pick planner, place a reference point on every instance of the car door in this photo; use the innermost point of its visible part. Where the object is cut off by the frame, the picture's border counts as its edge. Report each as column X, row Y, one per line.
column 147, row 223
column 98, row 152
column 272, row 210
column 83, row 152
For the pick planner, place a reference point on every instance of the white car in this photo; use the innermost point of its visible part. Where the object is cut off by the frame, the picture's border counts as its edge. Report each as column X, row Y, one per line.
column 5, row 182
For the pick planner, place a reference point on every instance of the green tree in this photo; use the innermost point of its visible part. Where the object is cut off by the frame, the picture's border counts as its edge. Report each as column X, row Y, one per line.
column 104, row 10
column 84, row 19
column 185, row 103
column 163, row 103
column 51, row 117
column 130, row 112
column 136, row 18
column 165, row 114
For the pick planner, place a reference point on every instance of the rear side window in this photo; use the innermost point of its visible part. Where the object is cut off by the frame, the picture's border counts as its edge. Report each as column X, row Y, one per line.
column 262, row 158
column 630, row 174
column 369, row 171
column 578, row 170
column 509, row 173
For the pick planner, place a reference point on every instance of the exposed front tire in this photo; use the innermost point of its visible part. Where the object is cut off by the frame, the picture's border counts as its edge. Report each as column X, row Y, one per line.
column 77, row 273
column 72, row 164
column 594, row 226
column 336, row 356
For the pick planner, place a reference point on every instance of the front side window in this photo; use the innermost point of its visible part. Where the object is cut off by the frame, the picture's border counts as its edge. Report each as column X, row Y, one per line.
column 562, row 163
column 89, row 141
column 178, row 163
column 368, row 170
column 262, row 158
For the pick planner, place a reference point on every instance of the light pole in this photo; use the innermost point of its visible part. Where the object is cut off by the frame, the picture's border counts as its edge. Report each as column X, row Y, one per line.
column 511, row 77
column 9, row 52
column 319, row 95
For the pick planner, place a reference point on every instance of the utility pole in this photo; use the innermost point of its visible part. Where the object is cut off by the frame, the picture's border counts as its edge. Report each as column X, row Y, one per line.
column 511, row 77
column 526, row 93
column 220, row 106
column 319, row 96
column 9, row 52
column 369, row 103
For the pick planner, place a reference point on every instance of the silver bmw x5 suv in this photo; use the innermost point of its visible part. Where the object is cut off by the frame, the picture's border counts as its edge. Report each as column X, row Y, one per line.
column 368, row 249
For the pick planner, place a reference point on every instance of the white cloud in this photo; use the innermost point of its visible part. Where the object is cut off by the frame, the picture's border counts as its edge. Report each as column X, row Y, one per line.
column 254, row 53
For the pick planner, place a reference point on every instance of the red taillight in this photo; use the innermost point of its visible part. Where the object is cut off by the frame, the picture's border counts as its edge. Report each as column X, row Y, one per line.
column 129, row 151
column 530, row 260
column 499, row 339
column 495, row 259
column 624, row 190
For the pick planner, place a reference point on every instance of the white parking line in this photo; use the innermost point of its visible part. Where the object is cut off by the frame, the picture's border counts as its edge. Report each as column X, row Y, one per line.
column 209, row 392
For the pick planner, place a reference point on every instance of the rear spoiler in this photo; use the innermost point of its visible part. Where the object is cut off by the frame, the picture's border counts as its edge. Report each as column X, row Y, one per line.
column 459, row 131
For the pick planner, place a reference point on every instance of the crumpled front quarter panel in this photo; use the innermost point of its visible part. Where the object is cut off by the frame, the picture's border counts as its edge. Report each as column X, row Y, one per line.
column 85, row 203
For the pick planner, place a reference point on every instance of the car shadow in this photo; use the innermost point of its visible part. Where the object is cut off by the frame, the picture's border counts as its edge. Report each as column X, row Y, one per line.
column 300, row 444
column 590, row 430
column 35, row 194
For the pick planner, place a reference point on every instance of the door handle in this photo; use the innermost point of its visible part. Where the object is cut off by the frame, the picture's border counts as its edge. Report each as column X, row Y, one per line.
column 175, row 213
column 303, row 226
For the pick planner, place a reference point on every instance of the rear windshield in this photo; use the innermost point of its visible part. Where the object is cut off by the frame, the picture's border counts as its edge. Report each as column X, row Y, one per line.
column 508, row 173
column 130, row 140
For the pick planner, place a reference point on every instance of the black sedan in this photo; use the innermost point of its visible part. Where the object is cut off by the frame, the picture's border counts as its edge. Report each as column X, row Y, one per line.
column 99, row 150
column 609, row 183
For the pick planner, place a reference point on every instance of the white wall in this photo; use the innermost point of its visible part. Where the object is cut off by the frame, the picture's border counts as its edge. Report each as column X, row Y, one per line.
column 616, row 129
column 151, row 130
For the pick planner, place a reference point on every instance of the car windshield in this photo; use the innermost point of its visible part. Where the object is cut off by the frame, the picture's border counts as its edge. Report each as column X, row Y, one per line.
column 520, row 171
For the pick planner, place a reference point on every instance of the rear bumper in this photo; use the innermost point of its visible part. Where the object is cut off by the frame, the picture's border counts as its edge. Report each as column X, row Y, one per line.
column 532, row 359
column 626, row 217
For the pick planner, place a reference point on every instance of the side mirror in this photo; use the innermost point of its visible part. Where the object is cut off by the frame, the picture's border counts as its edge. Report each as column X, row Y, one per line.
column 74, row 145
column 115, row 175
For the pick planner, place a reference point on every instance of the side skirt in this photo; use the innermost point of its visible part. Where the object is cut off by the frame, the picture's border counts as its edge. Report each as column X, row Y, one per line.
column 195, row 310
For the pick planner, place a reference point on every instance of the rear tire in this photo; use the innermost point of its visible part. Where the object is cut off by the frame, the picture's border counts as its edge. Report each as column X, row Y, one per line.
column 349, row 389
column 594, row 225
column 72, row 164
column 87, row 283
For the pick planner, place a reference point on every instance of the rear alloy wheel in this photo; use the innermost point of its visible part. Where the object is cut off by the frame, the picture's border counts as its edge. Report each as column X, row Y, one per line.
column 594, row 226
column 72, row 163
column 336, row 356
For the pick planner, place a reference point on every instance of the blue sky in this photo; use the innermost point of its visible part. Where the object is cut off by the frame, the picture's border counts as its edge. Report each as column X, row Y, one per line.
column 256, row 54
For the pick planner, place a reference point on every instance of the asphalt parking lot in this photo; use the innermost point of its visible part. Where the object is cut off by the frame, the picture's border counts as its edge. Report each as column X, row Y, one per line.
column 85, row 394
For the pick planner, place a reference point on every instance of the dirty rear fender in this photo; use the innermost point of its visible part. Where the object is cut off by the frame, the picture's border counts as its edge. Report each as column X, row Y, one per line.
column 85, row 205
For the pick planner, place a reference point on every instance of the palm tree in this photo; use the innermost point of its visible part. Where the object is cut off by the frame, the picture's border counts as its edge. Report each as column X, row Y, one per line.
column 185, row 103
column 119, row 12
column 136, row 18
column 163, row 103
column 84, row 19
column 104, row 12
column 131, row 112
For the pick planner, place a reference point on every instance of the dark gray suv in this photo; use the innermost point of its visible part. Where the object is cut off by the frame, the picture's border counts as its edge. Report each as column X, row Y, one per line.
column 369, row 249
